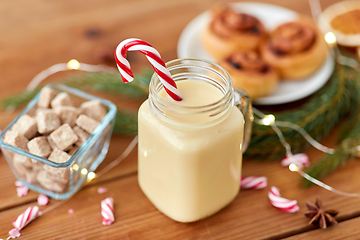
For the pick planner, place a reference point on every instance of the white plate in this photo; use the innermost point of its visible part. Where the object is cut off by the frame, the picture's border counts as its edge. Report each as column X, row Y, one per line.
column 189, row 46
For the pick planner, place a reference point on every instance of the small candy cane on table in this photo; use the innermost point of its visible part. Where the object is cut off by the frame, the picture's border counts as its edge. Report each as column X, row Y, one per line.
column 253, row 182
column 282, row 203
column 107, row 211
column 26, row 217
column 301, row 160
column 134, row 44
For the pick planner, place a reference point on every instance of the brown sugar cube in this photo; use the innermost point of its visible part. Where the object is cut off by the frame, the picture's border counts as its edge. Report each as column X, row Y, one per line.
column 73, row 150
column 21, row 159
column 26, row 126
column 62, row 99
column 93, row 109
column 39, row 146
column 30, row 176
column 67, row 114
column 46, row 96
column 64, row 137
column 86, row 123
column 61, row 174
column 37, row 166
column 14, row 138
column 50, row 184
column 47, row 121
column 83, row 136
column 51, row 143
column 25, row 168
column 20, row 168
column 38, row 110
column 58, row 156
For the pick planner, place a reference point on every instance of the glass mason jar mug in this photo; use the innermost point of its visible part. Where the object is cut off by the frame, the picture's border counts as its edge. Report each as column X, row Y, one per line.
column 190, row 152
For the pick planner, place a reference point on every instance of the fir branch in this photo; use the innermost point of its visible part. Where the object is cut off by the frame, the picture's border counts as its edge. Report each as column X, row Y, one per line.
column 326, row 165
column 20, row 99
column 126, row 123
column 105, row 82
column 329, row 105
column 112, row 83
column 345, row 151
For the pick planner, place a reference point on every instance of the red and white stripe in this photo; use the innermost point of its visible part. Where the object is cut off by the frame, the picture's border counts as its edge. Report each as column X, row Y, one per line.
column 134, row 44
column 253, row 182
column 301, row 160
column 26, row 217
column 282, row 203
column 107, row 211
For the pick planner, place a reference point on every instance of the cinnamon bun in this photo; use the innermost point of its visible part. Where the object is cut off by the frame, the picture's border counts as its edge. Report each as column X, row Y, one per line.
column 230, row 31
column 249, row 72
column 297, row 49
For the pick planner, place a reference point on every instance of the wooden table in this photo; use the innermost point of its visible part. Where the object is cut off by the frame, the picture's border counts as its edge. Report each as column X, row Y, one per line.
column 36, row 34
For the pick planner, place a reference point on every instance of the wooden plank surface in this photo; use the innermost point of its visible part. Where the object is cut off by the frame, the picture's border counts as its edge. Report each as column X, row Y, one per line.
column 38, row 33
column 349, row 230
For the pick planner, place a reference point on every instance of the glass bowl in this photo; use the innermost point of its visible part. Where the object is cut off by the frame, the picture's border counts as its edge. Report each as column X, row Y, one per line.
column 74, row 171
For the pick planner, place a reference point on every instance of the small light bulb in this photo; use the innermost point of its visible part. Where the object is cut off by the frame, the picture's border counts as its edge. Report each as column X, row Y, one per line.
column 73, row 64
column 145, row 154
column 75, row 167
column 268, row 120
column 91, row 176
column 330, row 37
column 293, row 167
column 84, row 171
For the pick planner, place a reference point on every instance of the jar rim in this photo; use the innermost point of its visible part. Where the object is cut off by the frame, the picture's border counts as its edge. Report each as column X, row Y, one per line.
column 208, row 65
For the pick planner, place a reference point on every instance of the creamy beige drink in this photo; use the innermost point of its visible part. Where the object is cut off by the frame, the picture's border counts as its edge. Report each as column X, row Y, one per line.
column 190, row 161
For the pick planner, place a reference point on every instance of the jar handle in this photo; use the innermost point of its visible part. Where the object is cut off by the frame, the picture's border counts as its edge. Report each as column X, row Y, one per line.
column 243, row 102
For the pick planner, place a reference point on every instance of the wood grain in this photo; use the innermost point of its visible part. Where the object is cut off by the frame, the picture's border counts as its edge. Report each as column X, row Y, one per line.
column 345, row 231
column 39, row 33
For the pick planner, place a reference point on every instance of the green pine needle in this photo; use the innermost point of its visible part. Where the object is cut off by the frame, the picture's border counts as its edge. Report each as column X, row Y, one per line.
column 321, row 113
column 126, row 123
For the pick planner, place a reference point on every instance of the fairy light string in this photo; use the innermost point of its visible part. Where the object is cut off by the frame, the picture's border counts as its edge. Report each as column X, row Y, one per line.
column 269, row 120
column 73, row 64
column 294, row 168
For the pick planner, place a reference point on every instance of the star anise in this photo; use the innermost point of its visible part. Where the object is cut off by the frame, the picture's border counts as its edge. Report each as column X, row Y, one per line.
column 319, row 216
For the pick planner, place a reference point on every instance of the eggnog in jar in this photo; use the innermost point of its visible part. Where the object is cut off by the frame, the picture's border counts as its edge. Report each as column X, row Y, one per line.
column 190, row 151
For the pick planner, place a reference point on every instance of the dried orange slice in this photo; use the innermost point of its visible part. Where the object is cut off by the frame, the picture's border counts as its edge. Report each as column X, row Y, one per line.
column 343, row 19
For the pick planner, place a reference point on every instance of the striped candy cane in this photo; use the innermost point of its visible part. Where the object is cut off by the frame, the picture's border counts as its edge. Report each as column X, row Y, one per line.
column 107, row 211
column 134, row 44
column 301, row 160
column 26, row 217
column 282, row 203
column 253, row 182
